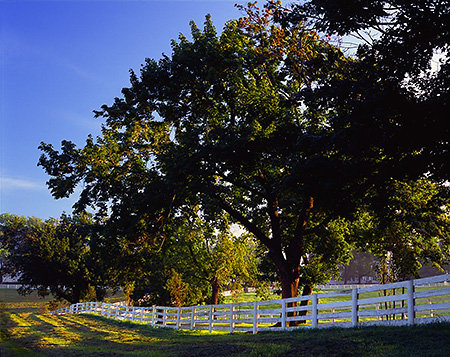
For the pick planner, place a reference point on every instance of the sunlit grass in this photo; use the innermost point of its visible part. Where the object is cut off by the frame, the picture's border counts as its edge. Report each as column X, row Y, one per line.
column 26, row 331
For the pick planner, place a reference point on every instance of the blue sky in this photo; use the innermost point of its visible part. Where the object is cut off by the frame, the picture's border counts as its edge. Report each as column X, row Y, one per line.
column 59, row 61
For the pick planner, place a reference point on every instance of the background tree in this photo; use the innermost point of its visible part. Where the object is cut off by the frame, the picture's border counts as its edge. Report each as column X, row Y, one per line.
column 11, row 226
column 185, row 263
column 53, row 256
column 361, row 265
column 212, row 253
column 4, row 253
column 412, row 229
column 14, row 231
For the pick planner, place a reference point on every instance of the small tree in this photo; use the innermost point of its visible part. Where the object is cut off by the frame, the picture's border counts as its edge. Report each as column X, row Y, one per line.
column 213, row 254
column 177, row 288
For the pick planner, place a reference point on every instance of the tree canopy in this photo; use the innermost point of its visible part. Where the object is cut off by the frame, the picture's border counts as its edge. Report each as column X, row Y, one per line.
column 404, row 53
column 219, row 124
column 266, row 122
column 391, row 107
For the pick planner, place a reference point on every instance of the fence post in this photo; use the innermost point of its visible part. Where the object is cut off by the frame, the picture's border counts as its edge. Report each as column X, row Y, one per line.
column 354, row 306
column 411, row 314
column 133, row 313
column 283, row 314
column 192, row 318
column 255, row 317
column 314, row 311
column 210, row 319
column 178, row 317
column 231, row 318
column 164, row 316
column 153, row 315
column 142, row 314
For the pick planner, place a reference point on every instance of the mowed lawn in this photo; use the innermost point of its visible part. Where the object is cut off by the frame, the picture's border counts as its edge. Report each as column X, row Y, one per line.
column 26, row 330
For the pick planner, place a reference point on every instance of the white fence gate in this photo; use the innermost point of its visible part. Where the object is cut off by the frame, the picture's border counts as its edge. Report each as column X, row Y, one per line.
column 403, row 303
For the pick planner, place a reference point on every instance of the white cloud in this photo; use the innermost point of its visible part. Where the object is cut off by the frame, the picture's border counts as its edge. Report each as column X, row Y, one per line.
column 9, row 183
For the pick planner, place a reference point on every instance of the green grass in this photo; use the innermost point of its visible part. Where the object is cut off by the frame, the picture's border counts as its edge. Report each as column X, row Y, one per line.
column 27, row 331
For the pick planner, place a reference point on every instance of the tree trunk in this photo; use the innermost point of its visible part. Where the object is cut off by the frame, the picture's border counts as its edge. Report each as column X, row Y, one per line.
column 288, row 264
column 215, row 292
column 289, row 285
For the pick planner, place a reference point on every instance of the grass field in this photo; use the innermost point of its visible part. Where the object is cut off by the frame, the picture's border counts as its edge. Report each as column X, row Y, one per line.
column 26, row 330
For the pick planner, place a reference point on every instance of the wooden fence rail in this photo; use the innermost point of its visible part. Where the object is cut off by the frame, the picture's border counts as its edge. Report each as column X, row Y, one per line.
column 402, row 303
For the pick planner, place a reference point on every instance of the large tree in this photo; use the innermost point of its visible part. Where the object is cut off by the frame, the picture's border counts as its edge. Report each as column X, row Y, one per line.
column 221, row 124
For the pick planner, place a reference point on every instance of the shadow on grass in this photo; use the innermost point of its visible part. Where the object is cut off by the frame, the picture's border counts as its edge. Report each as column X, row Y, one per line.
column 92, row 335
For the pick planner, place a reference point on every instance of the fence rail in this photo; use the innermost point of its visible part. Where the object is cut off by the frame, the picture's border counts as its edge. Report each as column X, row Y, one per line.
column 10, row 286
column 402, row 303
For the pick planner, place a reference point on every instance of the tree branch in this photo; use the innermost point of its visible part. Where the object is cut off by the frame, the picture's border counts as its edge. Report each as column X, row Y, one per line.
column 251, row 227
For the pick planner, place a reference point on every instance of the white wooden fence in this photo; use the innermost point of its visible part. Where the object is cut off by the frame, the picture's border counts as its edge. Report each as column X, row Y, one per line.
column 402, row 303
